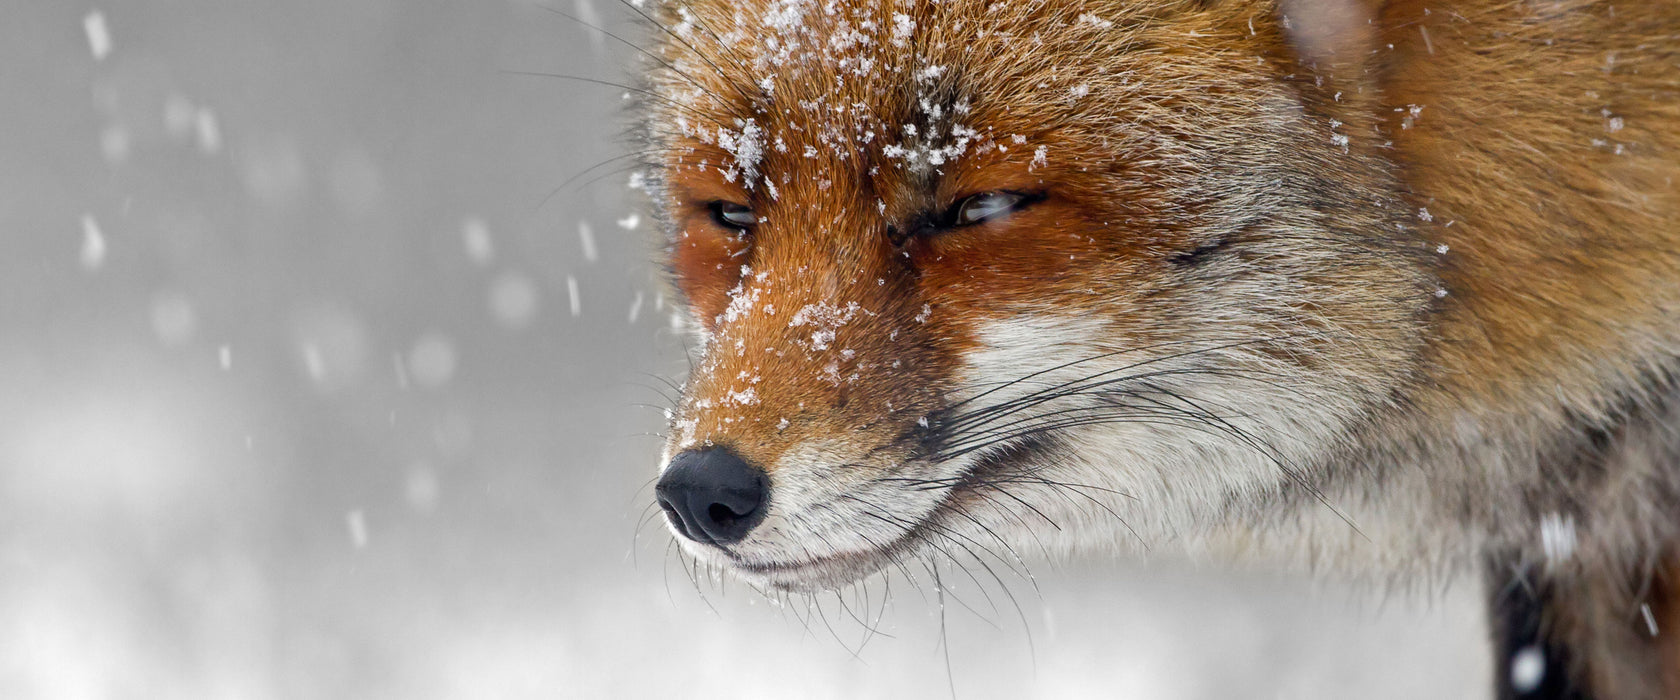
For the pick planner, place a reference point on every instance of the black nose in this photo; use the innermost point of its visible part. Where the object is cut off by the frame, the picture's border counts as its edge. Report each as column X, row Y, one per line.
column 713, row 496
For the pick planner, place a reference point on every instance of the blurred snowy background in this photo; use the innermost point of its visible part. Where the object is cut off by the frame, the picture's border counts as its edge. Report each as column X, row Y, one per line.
column 315, row 383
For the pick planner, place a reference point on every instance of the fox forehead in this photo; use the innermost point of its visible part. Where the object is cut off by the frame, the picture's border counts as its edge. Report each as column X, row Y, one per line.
column 830, row 99
column 890, row 93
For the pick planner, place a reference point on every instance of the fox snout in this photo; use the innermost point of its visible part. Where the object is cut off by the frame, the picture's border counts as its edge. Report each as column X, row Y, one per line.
column 712, row 496
column 799, row 404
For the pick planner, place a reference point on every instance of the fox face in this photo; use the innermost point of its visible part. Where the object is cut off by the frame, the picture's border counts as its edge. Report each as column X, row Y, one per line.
column 989, row 274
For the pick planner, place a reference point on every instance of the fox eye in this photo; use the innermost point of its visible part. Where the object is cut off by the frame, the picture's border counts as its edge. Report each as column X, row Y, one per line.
column 730, row 215
column 987, row 206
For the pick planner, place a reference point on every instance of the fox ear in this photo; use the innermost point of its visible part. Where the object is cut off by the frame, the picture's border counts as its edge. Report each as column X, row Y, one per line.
column 1330, row 33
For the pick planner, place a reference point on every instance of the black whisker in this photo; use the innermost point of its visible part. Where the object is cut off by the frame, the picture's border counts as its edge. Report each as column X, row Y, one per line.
column 697, row 52
column 638, row 48
column 608, row 83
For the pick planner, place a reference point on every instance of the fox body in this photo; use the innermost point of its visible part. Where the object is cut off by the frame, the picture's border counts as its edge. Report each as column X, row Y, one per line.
column 1363, row 286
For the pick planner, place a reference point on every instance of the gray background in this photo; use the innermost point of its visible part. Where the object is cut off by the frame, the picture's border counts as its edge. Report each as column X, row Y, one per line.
column 313, row 386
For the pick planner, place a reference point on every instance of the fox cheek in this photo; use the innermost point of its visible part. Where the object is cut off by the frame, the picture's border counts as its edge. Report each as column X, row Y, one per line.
column 704, row 266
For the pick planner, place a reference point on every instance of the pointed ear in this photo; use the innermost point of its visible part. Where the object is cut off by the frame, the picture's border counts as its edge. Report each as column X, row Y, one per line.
column 1330, row 33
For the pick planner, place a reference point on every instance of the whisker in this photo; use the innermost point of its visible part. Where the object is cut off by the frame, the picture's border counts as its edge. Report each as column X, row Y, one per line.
column 638, row 48
column 665, row 572
column 640, row 91
column 1089, row 381
column 944, row 640
column 908, row 526
column 943, row 551
column 636, row 535
column 648, row 153
column 697, row 52
column 978, row 434
column 817, row 603
column 1124, row 368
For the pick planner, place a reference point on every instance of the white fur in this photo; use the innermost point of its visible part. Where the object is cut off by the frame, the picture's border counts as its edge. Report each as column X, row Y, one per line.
column 1185, row 490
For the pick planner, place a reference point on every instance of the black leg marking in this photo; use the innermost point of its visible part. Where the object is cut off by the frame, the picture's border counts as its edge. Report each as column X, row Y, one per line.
column 1526, row 665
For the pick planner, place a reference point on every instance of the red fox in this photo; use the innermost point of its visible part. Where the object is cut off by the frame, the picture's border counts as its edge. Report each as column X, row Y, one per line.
column 1359, row 285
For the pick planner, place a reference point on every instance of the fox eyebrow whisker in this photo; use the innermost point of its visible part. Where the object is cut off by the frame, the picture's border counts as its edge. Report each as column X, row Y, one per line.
column 627, row 88
column 635, row 47
column 695, row 20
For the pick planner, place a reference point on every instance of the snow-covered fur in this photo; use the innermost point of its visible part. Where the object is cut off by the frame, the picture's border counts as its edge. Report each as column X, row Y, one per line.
column 1364, row 286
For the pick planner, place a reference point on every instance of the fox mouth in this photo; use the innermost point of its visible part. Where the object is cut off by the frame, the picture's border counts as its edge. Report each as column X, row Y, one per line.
column 834, row 570
column 837, row 569
column 823, row 572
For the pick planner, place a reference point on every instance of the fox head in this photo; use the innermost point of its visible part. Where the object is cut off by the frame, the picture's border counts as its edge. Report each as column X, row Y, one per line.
column 971, row 273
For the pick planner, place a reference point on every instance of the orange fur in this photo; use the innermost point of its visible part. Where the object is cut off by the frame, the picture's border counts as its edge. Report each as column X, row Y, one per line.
column 1426, row 254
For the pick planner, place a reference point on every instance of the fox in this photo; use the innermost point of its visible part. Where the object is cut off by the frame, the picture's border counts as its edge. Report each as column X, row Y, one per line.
column 1369, row 288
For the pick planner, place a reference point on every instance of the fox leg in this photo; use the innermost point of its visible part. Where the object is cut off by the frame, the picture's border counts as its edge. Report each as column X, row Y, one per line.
column 1527, row 664
column 1585, row 636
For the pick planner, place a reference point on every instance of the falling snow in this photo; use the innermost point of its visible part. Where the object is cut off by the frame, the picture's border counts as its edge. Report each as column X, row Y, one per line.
column 179, row 113
column 174, row 318
column 636, row 307
column 1557, row 537
column 207, row 130
column 115, row 143
column 475, row 239
column 1528, row 669
column 586, row 240
column 356, row 522
column 432, row 360
column 394, row 345
column 93, row 243
column 98, row 34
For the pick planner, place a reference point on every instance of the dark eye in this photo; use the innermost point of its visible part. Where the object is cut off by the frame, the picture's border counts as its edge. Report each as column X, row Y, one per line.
column 731, row 215
column 987, row 206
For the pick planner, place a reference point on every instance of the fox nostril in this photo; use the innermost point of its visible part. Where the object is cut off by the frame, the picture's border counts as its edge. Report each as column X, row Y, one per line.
column 713, row 496
column 722, row 515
